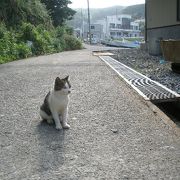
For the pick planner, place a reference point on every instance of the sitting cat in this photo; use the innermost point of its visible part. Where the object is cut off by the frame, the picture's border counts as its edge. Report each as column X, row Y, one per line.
column 55, row 106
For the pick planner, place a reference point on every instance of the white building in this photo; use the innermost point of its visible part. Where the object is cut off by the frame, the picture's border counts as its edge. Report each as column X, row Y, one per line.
column 119, row 26
column 113, row 27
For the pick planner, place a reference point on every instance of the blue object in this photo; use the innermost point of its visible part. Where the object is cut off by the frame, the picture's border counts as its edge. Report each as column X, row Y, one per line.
column 162, row 61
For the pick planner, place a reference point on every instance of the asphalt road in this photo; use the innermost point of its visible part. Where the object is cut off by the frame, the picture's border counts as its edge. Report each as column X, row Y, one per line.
column 113, row 134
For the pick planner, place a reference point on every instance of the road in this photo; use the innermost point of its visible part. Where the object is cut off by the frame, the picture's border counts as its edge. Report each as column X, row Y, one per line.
column 113, row 134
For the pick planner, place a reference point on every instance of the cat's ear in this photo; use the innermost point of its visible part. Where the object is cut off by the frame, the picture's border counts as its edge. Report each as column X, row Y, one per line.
column 57, row 79
column 58, row 84
column 66, row 78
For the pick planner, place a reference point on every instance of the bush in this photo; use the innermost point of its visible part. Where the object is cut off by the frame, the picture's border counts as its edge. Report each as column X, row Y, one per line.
column 10, row 47
column 72, row 43
column 69, row 30
column 31, row 40
column 23, row 50
column 65, row 39
column 59, row 32
column 7, row 47
column 42, row 41
column 59, row 44
column 11, row 50
column 2, row 30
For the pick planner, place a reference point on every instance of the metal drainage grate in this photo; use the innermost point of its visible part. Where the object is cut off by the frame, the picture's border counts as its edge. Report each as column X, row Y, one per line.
column 149, row 89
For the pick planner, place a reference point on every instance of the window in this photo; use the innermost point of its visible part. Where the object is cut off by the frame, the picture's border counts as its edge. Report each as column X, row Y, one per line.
column 92, row 27
column 112, row 25
column 118, row 33
column 112, row 33
column 119, row 26
column 178, row 10
column 126, row 23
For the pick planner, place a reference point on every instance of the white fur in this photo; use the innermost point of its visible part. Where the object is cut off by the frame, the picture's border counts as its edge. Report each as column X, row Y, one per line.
column 45, row 116
column 58, row 103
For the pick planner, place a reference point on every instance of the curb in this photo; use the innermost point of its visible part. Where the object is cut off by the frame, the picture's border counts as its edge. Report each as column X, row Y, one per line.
column 165, row 119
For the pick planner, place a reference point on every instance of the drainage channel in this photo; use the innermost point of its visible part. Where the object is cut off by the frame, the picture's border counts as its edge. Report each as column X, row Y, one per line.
column 165, row 99
column 172, row 110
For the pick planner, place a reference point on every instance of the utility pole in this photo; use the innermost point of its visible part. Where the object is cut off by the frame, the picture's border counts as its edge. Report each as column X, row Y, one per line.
column 82, row 25
column 89, row 22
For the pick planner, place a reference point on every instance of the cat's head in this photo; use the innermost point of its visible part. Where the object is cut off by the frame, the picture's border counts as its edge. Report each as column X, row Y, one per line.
column 62, row 85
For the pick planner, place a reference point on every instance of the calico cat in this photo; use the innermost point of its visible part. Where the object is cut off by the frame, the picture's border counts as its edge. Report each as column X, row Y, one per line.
column 55, row 106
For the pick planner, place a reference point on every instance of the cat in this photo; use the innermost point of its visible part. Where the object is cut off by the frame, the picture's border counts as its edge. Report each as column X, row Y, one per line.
column 55, row 106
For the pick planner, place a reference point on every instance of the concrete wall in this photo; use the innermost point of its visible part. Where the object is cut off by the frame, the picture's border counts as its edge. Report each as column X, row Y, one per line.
column 161, row 21
column 154, row 35
column 161, row 13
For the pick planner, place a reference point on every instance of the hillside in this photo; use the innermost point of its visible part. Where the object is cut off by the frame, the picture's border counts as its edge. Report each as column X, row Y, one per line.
column 136, row 11
column 96, row 14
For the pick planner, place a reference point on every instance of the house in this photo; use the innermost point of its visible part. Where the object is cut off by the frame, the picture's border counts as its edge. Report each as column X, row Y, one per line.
column 118, row 26
column 162, row 22
column 113, row 27
column 141, row 23
column 96, row 32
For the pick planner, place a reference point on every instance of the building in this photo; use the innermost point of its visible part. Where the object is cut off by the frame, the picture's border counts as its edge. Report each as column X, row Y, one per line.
column 141, row 23
column 113, row 27
column 120, row 26
column 96, row 32
column 162, row 22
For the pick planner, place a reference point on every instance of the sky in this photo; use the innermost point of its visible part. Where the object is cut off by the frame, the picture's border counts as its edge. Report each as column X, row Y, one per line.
column 103, row 3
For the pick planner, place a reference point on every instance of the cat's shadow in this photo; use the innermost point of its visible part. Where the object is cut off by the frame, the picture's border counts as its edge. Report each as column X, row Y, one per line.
column 51, row 146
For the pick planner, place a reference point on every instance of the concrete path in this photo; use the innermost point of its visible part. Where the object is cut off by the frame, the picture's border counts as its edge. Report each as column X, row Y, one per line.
column 113, row 135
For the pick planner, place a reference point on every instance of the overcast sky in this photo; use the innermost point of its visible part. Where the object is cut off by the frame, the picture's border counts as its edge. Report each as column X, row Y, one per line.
column 103, row 3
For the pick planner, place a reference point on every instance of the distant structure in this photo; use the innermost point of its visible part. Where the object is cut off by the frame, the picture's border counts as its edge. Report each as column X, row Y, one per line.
column 96, row 32
column 78, row 32
column 112, row 27
column 120, row 26
column 162, row 23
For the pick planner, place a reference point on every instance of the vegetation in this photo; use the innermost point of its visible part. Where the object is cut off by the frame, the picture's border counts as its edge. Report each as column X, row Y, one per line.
column 28, row 28
column 59, row 11
column 137, row 11
column 15, row 12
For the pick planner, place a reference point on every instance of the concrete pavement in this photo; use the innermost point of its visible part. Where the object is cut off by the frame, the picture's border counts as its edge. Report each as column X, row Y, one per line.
column 113, row 135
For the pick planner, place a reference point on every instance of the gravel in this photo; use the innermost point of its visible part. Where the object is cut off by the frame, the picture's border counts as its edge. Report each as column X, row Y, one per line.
column 154, row 67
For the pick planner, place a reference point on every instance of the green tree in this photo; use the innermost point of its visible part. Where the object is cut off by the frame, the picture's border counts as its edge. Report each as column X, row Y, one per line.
column 59, row 10
column 14, row 12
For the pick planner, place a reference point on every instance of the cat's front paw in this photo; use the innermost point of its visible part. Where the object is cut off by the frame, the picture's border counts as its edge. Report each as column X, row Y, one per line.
column 66, row 126
column 58, row 127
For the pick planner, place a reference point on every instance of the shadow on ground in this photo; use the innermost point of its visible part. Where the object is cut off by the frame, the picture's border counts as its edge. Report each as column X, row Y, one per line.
column 51, row 146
